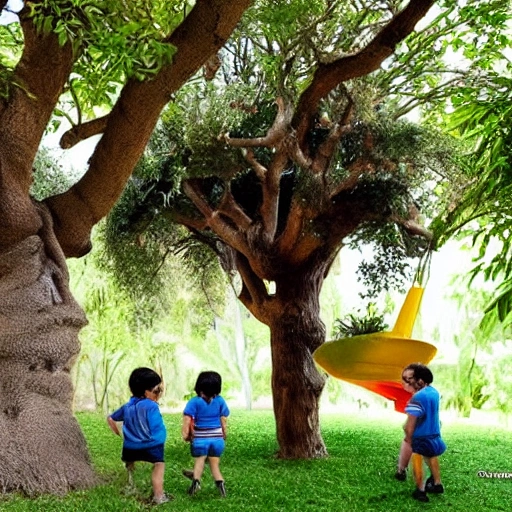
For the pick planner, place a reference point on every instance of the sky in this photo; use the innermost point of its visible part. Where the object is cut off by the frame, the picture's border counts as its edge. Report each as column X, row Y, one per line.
column 8, row 15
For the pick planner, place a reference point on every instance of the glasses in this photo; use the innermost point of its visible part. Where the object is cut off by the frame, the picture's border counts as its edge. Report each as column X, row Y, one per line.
column 407, row 380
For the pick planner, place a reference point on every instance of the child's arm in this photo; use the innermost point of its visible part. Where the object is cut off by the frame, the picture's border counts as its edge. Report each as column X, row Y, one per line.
column 409, row 427
column 113, row 426
column 224, row 425
column 186, row 428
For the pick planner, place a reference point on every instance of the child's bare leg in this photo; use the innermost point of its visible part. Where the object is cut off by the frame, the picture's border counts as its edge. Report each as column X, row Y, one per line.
column 130, row 467
column 157, row 479
column 199, row 467
column 405, row 456
column 417, row 470
column 217, row 475
column 433, row 464
column 214, row 467
column 198, row 473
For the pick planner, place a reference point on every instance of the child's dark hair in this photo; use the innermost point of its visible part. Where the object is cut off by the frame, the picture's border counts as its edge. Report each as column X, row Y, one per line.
column 208, row 383
column 421, row 372
column 142, row 380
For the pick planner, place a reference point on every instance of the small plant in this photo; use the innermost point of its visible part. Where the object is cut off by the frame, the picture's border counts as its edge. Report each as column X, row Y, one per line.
column 355, row 324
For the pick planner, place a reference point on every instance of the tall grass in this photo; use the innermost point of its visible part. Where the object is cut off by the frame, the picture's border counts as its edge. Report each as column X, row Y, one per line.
column 356, row 477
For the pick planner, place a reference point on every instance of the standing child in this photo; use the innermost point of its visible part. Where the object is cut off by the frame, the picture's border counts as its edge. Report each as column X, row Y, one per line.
column 144, row 431
column 204, row 425
column 423, row 430
column 405, row 454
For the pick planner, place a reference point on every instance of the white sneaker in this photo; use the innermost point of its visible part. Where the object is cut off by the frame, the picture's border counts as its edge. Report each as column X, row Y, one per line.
column 162, row 499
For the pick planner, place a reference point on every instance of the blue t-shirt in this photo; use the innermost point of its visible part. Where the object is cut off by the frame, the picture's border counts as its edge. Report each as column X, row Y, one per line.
column 143, row 426
column 424, row 404
column 206, row 415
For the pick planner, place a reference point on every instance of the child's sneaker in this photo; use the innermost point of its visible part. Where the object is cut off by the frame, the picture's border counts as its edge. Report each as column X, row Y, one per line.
column 188, row 473
column 401, row 475
column 432, row 487
column 222, row 488
column 435, row 489
column 420, row 496
column 158, row 500
column 194, row 487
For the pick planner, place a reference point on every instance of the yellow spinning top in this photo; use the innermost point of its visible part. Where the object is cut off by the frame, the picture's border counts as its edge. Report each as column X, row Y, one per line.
column 375, row 361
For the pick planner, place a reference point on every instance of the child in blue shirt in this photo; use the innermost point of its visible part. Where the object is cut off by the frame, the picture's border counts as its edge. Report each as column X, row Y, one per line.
column 144, row 431
column 423, row 430
column 204, row 425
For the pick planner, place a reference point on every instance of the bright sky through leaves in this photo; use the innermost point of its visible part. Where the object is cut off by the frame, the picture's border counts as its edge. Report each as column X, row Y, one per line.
column 8, row 15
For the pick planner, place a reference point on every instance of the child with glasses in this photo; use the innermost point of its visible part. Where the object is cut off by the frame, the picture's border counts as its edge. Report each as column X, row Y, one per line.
column 204, row 425
column 423, row 429
column 144, row 431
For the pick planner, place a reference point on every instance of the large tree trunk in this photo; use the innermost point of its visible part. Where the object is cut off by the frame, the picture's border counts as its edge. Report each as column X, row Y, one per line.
column 296, row 383
column 43, row 449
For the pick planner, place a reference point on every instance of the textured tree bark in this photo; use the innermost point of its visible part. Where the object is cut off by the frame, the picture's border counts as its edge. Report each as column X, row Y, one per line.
column 43, row 448
column 296, row 383
column 296, row 390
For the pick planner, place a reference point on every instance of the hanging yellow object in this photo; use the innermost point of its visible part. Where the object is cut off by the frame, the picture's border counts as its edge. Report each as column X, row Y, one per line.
column 375, row 361
column 405, row 321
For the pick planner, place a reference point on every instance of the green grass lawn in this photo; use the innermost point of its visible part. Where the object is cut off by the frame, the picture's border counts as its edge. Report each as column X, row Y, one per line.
column 356, row 477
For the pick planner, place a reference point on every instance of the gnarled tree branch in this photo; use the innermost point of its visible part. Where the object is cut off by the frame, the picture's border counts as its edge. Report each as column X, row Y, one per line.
column 213, row 218
column 132, row 120
column 276, row 132
column 411, row 224
column 254, row 294
column 229, row 207
column 83, row 131
column 327, row 148
column 328, row 76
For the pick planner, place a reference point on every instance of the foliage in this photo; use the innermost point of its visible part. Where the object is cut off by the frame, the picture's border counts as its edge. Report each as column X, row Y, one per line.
column 500, row 384
column 485, row 214
column 416, row 75
column 137, row 260
column 487, row 211
column 111, row 47
column 10, row 36
column 127, row 329
column 476, row 108
column 112, row 40
column 50, row 176
column 326, row 484
column 468, row 381
column 138, row 240
column 107, row 337
column 354, row 325
column 447, row 58
column 429, row 176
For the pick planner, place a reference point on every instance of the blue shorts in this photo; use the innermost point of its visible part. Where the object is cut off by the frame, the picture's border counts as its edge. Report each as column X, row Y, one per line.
column 428, row 446
column 207, row 446
column 153, row 454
